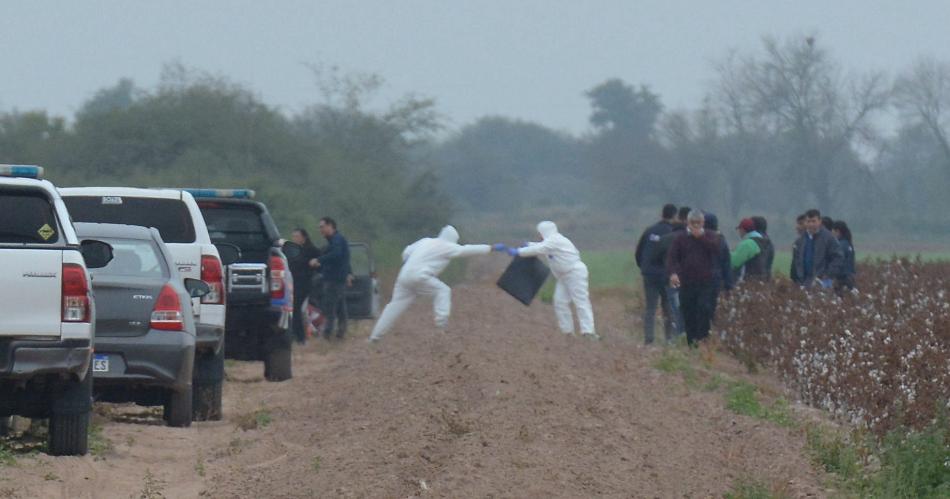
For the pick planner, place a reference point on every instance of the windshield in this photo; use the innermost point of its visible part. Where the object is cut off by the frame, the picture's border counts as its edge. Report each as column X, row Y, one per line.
column 28, row 217
column 134, row 257
column 237, row 225
column 169, row 216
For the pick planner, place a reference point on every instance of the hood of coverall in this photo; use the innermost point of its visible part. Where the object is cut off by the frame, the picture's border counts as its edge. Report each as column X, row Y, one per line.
column 448, row 233
column 547, row 229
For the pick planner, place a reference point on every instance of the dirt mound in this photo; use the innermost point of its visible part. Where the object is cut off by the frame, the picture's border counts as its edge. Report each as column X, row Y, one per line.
column 501, row 405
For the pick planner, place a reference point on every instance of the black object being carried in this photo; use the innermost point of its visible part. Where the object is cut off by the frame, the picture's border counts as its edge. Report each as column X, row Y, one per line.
column 523, row 278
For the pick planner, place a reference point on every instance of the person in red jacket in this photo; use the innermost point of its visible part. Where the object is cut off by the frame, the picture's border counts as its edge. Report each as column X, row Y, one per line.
column 691, row 263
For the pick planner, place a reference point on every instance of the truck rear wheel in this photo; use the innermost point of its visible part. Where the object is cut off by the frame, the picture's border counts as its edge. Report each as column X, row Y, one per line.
column 68, row 434
column 6, row 425
column 206, row 401
column 178, row 412
column 207, row 387
column 278, row 359
column 69, row 418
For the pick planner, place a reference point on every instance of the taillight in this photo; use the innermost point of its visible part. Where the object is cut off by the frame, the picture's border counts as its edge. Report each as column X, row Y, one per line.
column 167, row 314
column 212, row 275
column 75, row 293
column 278, row 271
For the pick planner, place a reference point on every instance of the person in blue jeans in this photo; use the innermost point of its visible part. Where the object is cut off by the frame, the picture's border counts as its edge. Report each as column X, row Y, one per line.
column 653, row 272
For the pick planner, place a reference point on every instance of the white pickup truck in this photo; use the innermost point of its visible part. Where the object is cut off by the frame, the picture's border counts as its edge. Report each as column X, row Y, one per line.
column 47, row 309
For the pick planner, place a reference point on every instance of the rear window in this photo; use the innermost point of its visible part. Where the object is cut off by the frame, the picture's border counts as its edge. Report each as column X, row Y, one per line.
column 134, row 257
column 169, row 216
column 28, row 218
column 237, row 225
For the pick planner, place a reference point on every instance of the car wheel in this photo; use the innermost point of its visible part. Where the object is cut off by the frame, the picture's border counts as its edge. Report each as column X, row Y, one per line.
column 178, row 412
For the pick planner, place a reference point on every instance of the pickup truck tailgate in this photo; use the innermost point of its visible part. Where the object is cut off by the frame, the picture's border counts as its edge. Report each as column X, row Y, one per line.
column 30, row 283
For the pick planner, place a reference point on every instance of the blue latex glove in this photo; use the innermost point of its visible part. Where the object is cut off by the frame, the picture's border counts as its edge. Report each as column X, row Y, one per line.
column 499, row 247
column 826, row 283
column 513, row 251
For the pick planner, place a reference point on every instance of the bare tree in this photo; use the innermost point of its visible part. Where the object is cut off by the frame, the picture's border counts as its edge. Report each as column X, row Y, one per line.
column 922, row 95
column 795, row 92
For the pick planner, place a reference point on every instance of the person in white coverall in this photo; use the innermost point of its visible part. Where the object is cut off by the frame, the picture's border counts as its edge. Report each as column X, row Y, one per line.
column 423, row 261
column 562, row 257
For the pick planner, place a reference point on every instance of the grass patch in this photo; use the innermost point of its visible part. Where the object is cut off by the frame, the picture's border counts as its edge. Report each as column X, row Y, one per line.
column 902, row 465
column 675, row 360
column 315, row 464
column 200, row 466
column 751, row 489
column 7, row 457
column 742, row 397
column 915, row 464
column 99, row 445
column 258, row 419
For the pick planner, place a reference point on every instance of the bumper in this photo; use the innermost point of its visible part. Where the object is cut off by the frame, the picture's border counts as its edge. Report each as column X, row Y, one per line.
column 210, row 338
column 25, row 359
column 158, row 358
column 265, row 318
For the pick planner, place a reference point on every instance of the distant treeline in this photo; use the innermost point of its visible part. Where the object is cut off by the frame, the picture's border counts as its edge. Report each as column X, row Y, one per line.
column 781, row 129
column 333, row 158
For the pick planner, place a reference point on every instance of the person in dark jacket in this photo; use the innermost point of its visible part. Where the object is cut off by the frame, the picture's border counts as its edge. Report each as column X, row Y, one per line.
column 303, row 275
column 659, row 258
column 334, row 267
column 819, row 254
column 655, row 280
column 722, row 273
column 799, row 230
column 762, row 227
column 691, row 263
column 845, row 279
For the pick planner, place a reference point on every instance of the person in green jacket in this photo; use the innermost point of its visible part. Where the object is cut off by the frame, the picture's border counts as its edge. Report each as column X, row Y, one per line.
column 749, row 260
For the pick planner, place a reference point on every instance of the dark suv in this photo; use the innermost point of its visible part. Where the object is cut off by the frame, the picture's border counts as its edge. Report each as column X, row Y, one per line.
column 259, row 286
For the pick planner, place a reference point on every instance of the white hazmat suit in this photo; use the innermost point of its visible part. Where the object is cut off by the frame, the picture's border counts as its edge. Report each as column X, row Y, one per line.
column 562, row 257
column 423, row 261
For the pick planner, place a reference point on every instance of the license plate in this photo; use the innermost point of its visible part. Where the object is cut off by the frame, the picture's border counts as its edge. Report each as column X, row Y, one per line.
column 100, row 363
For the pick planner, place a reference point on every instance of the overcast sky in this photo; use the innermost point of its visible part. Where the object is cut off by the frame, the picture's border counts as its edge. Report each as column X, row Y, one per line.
column 525, row 59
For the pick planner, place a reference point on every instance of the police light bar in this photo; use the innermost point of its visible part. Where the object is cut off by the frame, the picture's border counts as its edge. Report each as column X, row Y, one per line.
column 221, row 193
column 23, row 171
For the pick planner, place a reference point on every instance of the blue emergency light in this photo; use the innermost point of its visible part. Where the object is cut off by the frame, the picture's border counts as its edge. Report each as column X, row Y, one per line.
column 221, row 193
column 22, row 171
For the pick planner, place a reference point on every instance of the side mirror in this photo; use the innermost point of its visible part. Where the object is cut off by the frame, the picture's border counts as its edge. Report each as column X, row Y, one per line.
column 196, row 287
column 97, row 254
column 292, row 250
column 229, row 253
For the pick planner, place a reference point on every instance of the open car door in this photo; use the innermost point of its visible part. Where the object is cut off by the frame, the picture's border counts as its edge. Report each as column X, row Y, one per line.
column 362, row 298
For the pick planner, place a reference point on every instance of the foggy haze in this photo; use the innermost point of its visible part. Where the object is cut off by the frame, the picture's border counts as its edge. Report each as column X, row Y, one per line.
column 530, row 60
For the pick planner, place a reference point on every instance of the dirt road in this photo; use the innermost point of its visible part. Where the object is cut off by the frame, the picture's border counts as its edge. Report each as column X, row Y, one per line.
column 502, row 405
